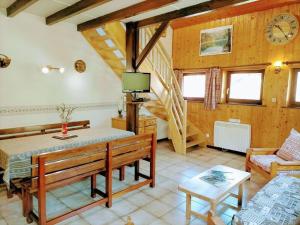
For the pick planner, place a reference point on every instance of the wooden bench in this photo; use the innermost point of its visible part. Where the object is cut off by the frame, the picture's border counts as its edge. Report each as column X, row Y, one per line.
column 40, row 129
column 61, row 168
column 130, row 150
column 19, row 132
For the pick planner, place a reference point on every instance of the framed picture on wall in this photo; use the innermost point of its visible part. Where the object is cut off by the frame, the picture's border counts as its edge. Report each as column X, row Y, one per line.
column 216, row 41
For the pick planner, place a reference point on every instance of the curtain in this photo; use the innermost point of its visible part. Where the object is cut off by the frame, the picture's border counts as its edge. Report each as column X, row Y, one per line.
column 213, row 88
column 179, row 77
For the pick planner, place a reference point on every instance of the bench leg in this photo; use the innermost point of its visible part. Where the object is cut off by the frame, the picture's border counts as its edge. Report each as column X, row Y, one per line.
column 93, row 185
column 122, row 173
column 29, row 207
column 136, row 170
column 24, row 202
column 9, row 192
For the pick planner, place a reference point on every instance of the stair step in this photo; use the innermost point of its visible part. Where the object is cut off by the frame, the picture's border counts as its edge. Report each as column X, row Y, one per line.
column 193, row 143
column 191, row 133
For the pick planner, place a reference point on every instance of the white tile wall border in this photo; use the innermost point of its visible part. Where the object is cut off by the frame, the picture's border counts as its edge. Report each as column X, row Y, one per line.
column 31, row 109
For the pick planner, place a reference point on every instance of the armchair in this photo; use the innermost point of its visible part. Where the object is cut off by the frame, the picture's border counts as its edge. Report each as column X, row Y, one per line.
column 268, row 164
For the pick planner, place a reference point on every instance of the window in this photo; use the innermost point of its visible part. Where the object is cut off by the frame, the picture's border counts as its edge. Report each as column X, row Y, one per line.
column 245, row 87
column 194, row 86
column 295, row 98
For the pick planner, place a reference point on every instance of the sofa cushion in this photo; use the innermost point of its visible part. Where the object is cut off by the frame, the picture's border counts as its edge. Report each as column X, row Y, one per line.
column 264, row 161
column 276, row 203
column 290, row 150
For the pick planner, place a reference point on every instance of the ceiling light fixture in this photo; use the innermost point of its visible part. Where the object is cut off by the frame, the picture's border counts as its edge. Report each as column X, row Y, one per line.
column 48, row 69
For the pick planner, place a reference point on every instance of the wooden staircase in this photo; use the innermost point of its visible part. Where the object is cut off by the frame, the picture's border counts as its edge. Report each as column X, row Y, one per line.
column 109, row 42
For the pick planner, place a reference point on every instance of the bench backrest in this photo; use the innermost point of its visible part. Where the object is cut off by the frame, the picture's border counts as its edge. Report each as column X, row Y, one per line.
column 63, row 167
column 128, row 150
column 41, row 129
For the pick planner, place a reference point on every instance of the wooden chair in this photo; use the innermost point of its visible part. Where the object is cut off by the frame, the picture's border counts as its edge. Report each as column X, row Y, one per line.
column 40, row 129
column 61, row 168
column 289, row 167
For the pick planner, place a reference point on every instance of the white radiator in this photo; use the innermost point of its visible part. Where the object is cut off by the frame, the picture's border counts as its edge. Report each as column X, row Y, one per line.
column 232, row 136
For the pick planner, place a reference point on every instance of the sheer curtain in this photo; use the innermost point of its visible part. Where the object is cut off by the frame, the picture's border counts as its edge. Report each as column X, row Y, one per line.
column 213, row 88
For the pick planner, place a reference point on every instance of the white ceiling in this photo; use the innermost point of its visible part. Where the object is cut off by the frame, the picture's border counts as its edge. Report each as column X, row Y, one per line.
column 45, row 8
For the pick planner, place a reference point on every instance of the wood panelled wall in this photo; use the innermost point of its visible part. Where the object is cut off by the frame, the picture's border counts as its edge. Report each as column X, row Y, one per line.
column 272, row 122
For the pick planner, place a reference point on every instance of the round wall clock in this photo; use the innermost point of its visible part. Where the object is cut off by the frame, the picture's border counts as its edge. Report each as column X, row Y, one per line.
column 282, row 29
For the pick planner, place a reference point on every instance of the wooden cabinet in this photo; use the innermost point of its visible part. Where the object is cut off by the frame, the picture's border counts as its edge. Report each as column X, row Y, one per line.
column 146, row 124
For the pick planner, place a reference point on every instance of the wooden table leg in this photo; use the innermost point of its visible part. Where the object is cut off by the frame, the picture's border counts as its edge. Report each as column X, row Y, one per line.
column 213, row 208
column 93, row 185
column 136, row 170
column 241, row 193
column 122, row 173
column 188, row 206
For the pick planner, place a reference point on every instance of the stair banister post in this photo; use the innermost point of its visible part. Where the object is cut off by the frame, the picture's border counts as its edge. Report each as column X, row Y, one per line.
column 184, row 129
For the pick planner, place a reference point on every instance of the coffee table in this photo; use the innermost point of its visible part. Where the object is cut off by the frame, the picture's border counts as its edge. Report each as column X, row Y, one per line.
column 213, row 193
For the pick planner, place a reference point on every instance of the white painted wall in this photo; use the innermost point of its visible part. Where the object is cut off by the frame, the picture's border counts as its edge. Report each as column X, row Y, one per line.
column 31, row 44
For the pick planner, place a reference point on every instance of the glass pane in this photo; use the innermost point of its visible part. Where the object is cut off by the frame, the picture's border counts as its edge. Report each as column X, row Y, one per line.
column 194, row 86
column 245, row 86
column 298, row 88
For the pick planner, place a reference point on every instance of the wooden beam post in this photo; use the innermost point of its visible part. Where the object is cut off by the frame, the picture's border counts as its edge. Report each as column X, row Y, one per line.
column 151, row 44
column 132, row 46
column 18, row 6
column 124, row 13
column 72, row 10
column 191, row 10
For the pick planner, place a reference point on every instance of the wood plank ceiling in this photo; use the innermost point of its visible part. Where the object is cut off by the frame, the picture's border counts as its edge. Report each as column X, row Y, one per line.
column 144, row 13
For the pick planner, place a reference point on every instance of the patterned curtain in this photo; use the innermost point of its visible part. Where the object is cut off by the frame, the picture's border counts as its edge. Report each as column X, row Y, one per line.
column 213, row 88
column 179, row 76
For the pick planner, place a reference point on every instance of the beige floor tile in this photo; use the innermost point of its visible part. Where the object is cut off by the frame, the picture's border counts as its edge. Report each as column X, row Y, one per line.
column 159, row 222
column 141, row 217
column 99, row 216
column 157, row 192
column 140, row 199
column 124, row 207
column 2, row 222
column 157, row 208
column 173, row 199
column 175, row 216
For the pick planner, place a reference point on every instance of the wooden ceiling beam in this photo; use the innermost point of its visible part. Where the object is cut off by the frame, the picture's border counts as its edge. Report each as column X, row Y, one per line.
column 73, row 10
column 232, row 11
column 130, row 11
column 142, row 56
column 188, row 11
column 18, row 6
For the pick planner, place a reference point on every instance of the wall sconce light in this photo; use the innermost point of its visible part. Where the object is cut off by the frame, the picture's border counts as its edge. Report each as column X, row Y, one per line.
column 4, row 61
column 47, row 69
column 278, row 66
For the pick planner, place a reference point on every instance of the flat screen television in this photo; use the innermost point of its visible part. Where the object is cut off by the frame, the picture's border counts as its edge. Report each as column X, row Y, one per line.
column 136, row 82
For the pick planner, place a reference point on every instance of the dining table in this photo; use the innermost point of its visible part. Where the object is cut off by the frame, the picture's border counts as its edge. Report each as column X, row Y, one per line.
column 16, row 153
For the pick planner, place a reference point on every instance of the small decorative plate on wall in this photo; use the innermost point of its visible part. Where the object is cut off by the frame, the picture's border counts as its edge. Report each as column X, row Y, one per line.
column 80, row 66
column 282, row 29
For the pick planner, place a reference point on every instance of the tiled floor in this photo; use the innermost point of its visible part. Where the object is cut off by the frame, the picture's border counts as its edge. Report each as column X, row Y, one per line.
column 159, row 206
